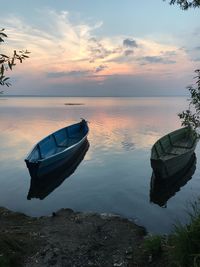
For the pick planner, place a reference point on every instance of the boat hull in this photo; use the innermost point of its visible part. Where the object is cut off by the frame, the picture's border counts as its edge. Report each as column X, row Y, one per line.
column 43, row 166
column 42, row 187
column 50, row 164
column 165, row 169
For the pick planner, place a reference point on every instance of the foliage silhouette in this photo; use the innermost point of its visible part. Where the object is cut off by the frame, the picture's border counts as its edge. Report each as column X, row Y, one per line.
column 184, row 4
column 7, row 62
column 191, row 116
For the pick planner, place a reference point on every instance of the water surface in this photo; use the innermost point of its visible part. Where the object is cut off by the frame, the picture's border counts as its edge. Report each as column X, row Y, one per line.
column 115, row 174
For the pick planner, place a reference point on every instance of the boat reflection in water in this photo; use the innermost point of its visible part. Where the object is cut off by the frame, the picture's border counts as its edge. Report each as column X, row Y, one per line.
column 42, row 186
column 163, row 189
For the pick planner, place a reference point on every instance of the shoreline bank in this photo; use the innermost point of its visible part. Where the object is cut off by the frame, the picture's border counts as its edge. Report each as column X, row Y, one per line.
column 68, row 238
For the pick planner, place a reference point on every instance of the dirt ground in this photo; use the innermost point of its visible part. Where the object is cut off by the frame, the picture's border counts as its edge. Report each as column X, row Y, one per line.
column 68, row 238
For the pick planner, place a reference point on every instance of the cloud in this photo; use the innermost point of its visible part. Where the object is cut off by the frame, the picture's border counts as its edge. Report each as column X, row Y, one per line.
column 152, row 59
column 156, row 59
column 128, row 52
column 123, row 85
column 100, row 68
column 99, row 50
column 130, row 43
column 56, row 43
column 77, row 73
column 193, row 53
column 169, row 53
column 73, row 73
column 196, row 32
column 196, row 59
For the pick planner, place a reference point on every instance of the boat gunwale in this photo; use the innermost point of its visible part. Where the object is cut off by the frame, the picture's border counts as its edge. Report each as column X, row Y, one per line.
column 159, row 158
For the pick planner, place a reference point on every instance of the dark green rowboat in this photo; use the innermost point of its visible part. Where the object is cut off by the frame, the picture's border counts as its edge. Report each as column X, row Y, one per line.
column 171, row 153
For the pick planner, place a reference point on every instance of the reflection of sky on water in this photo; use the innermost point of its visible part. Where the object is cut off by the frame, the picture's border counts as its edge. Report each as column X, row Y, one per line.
column 115, row 173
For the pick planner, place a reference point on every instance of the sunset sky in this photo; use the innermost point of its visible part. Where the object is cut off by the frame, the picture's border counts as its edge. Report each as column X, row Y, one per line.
column 101, row 48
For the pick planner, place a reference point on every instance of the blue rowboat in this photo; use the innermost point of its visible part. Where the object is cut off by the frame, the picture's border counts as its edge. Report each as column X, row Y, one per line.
column 42, row 187
column 57, row 147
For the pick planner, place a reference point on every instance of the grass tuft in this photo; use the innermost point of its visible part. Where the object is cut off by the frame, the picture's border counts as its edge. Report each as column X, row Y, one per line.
column 153, row 245
column 184, row 243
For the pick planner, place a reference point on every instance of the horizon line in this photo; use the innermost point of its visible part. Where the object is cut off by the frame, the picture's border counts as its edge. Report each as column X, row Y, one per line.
column 5, row 95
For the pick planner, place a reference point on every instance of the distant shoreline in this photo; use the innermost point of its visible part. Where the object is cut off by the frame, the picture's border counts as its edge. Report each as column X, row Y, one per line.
column 59, row 96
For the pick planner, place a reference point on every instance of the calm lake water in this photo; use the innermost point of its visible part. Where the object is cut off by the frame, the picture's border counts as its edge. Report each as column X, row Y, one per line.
column 115, row 174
